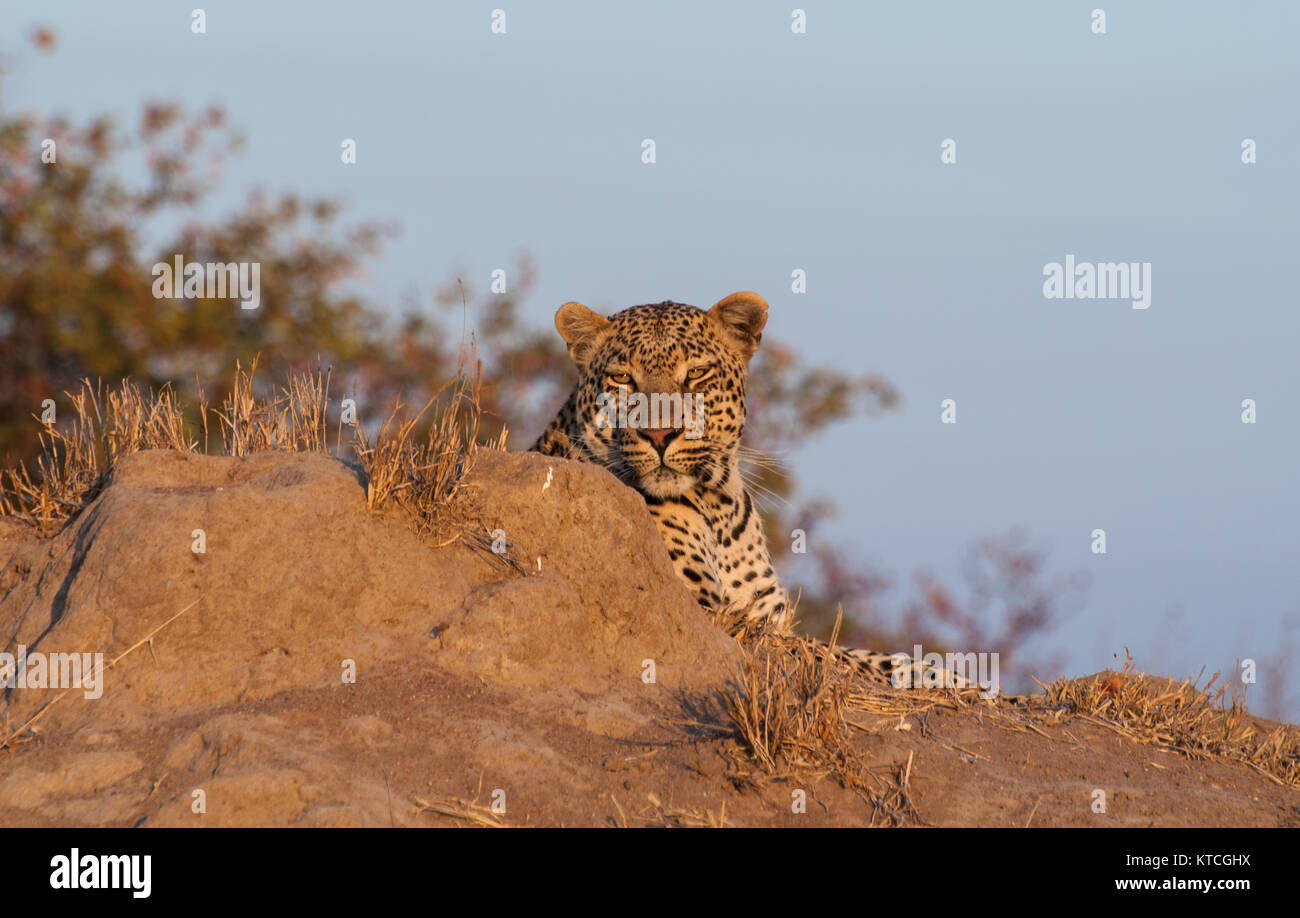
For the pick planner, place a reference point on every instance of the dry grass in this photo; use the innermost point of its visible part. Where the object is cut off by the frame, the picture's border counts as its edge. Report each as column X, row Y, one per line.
column 1196, row 721
column 421, row 473
column 464, row 810
column 655, row 814
column 292, row 418
column 423, row 476
column 791, row 709
column 790, row 702
column 78, row 460
column 798, row 701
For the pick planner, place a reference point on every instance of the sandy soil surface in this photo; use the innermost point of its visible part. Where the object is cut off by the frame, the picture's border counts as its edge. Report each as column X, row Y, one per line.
column 330, row 668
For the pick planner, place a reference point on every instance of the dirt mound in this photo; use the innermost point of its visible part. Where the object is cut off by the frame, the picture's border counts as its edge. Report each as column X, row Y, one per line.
column 287, row 657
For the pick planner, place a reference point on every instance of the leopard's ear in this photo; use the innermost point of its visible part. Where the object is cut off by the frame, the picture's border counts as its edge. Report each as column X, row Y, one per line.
column 742, row 316
column 580, row 328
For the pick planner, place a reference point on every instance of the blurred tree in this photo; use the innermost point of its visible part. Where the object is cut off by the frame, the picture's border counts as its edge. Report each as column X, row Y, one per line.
column 76, row 289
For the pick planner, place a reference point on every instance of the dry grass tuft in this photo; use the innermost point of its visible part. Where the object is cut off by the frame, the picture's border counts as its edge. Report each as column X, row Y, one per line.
column 78, row 460
column 798, row 699
column 291, row 418
column 419, row 473
column 790, row 702
column 423, row 476
column 793, row 710
column 1195, row 721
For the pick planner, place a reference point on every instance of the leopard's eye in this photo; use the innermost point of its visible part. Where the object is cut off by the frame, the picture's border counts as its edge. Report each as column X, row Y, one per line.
column 697, row 372
column 620, row 379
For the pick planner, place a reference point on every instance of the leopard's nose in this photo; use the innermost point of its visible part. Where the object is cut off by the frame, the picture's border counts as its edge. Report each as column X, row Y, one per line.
column 660, row 437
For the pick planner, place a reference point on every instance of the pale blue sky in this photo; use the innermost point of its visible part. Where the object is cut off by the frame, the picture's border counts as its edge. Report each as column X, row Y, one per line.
column 821, row 151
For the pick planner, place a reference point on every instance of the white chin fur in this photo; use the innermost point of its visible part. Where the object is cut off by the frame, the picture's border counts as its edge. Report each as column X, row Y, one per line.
column 664, row 482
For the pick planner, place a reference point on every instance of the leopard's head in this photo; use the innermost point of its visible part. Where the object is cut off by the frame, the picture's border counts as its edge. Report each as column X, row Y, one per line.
column 661, row 388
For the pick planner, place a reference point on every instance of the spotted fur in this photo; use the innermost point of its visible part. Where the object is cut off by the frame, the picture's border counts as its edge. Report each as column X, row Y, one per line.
column 692, row 486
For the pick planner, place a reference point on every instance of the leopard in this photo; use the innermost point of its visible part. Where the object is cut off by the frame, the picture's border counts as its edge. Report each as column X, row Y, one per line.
column 686, row 468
